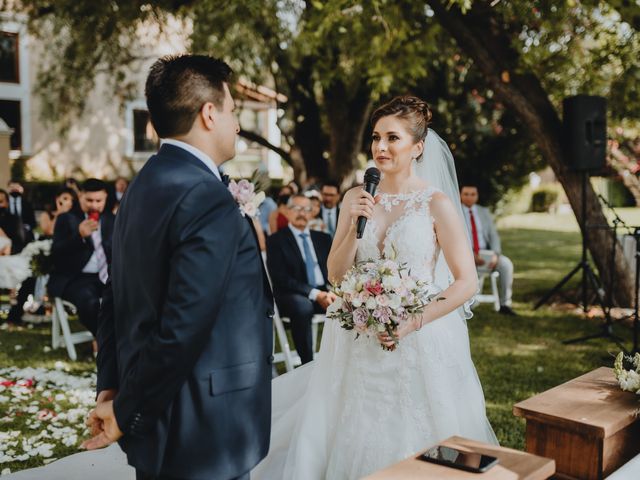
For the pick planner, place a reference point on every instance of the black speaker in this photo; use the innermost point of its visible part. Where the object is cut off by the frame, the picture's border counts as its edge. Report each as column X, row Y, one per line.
column 585, row 131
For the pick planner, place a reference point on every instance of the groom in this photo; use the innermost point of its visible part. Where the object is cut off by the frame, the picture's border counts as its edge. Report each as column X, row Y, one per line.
column 185, row 334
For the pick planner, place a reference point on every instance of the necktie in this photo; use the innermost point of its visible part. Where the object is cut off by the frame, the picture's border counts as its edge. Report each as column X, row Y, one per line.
column 309, row 264
column 330, row 226
column 103, row 269
column 474, row 233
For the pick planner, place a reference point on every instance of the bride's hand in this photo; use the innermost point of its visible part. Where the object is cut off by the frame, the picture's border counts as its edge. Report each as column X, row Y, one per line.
column 404, row 329
column 362, row 206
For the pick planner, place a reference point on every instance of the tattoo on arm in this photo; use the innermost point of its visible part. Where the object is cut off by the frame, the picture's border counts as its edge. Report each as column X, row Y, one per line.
column 440, row 299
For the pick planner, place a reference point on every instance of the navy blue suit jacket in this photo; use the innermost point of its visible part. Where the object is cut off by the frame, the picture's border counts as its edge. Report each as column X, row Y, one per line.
column 185, row 332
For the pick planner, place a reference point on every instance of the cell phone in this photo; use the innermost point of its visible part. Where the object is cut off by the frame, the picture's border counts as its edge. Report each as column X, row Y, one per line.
column 454, row 458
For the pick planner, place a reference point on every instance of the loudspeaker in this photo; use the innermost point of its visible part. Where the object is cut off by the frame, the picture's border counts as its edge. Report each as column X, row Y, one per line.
column 585, row 131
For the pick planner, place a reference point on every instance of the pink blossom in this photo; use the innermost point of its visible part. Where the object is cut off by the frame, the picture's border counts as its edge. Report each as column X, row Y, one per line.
column 360, row 318
column 383, row 314
column 374, row 287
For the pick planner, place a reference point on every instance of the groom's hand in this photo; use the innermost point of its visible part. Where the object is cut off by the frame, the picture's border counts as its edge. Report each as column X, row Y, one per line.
column 93, row 422
column 110, row 430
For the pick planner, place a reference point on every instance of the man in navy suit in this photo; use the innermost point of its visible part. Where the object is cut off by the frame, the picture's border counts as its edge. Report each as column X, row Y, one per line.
column 185, row 332
column 297, row 262
column 81, row 253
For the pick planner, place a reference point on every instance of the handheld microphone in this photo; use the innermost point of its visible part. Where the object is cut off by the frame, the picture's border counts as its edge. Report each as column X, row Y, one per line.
column 371, row 181
column 94, row 215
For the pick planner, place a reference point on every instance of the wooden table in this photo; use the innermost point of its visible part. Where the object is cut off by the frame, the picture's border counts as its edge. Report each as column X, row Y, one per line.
column 514, row 465
column 587, row 425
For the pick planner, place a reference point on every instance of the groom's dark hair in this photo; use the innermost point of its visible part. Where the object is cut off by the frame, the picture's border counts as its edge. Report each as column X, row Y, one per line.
column 178, row 86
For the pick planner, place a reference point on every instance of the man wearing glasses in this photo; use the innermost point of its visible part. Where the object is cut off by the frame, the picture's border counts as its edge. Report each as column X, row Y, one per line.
column 297, row 263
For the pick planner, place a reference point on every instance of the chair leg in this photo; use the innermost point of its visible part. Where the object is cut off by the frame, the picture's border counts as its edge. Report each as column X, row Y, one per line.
column 494, row 290
column 66, row 331
column 314, row 338
column 55, row 328
column 283, row 341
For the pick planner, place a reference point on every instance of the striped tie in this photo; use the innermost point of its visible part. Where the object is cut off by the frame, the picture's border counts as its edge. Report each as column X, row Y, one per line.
column 103, row 269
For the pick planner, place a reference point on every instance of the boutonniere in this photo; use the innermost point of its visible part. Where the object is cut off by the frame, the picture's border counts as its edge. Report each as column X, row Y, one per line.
column 244, row 193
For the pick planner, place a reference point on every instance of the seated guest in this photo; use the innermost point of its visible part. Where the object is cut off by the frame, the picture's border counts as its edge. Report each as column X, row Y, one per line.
column 315, row 219
column 330, row 209
column 81, row 252
column 297, row 263
column 278, row 218
column 20, row 206
column 266, row 208
column 65, row 200
column 120, row 186
column 486, row 243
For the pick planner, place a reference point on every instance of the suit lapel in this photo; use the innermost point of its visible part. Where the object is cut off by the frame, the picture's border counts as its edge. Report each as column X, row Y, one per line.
column 321, row 255
column 293, row 246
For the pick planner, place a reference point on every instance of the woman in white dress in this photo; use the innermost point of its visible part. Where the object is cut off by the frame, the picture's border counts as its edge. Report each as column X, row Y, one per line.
column 358, row 408
column 14, row 269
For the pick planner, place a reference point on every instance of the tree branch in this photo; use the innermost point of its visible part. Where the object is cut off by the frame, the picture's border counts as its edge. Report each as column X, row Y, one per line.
column 260, row 140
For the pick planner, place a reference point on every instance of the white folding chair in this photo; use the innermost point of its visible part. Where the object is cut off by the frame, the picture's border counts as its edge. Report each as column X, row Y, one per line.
column 60, row 331
column 494, row 296
column 290, row 357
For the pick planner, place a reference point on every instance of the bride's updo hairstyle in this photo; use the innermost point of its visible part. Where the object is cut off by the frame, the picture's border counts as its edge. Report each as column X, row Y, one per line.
column 414, row 111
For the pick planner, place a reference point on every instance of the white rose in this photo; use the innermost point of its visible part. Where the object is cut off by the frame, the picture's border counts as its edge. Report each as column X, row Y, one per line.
column 356, row 301
column 382, row 300
column 390, row 282
column 335, row 306
column 348, row 285
column 395, row 301
column 371, row 303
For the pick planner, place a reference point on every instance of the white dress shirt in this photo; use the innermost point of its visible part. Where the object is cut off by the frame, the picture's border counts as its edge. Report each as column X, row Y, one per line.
column 330, row 218
column 482, row 242
column 196, row 152
column 93, row 265
column 313, row 294
column 15, row 205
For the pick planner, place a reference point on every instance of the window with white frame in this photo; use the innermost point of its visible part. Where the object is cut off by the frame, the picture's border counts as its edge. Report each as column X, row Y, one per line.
column 141, row 137
column 15, row 92
column 9, row 57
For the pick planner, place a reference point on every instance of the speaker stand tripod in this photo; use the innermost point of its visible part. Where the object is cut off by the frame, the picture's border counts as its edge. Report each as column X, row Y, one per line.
column 588, row 277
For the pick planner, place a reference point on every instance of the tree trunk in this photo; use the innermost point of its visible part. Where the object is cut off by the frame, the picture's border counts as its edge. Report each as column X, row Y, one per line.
column 308, row 137
column 347, row 115
column 481, row 36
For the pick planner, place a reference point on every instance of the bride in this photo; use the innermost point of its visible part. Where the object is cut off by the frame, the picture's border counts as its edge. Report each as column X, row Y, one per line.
column 359, row 408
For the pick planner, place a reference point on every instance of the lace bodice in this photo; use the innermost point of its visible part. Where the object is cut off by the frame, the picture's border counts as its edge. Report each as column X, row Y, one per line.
column 402, row 228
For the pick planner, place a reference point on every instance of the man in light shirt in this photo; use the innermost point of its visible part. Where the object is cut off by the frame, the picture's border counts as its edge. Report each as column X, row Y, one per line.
column 330, row 209
column 297, row 263
column 486, row 244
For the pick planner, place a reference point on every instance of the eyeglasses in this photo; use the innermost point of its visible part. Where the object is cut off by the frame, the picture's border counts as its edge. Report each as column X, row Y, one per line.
column 299, row 208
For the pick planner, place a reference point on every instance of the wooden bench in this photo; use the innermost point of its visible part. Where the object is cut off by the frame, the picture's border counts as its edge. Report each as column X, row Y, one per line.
column 587, row 425
column 514, row 465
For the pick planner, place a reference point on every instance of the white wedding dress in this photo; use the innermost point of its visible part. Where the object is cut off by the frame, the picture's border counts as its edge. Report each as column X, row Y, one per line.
column 357, row 408
column 14, row 269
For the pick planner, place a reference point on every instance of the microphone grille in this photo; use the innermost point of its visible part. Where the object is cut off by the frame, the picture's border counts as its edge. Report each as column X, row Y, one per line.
column 372, row 175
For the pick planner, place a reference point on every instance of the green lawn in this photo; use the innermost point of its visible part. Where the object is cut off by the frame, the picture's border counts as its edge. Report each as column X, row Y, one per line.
column 516, row 357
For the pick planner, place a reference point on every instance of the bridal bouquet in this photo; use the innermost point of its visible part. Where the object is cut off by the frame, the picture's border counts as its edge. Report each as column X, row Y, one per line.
column 627, row 372
column 376, row 296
